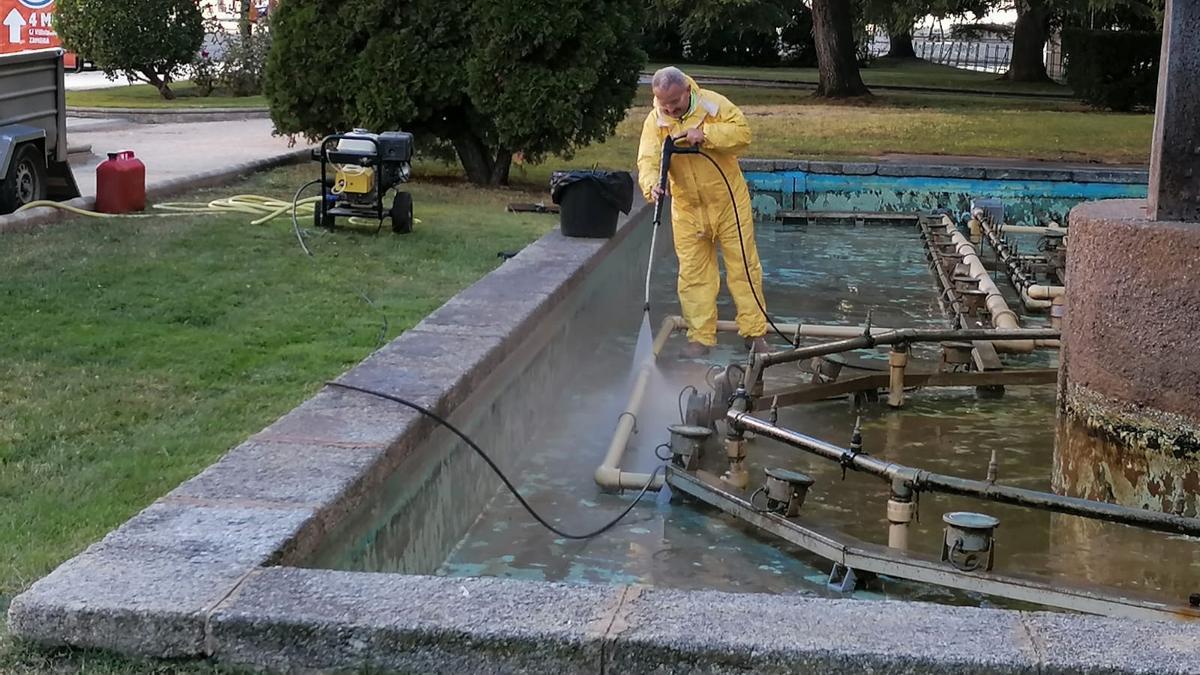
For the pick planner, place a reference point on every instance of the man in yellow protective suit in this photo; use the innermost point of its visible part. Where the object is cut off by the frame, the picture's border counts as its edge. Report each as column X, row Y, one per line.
column 702, row 215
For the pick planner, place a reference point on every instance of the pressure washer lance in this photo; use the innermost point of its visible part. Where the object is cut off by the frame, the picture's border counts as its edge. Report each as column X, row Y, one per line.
column 669, row 148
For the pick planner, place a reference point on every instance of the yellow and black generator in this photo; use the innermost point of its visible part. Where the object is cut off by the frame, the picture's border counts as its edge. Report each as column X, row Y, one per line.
column 358, row 170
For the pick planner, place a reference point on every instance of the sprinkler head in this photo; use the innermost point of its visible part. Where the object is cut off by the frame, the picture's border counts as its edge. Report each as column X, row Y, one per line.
column 856, row 442
column 687, row 444
column 786, row 491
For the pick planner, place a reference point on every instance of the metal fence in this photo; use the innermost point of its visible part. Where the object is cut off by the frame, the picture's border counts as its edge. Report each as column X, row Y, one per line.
column 984, row 55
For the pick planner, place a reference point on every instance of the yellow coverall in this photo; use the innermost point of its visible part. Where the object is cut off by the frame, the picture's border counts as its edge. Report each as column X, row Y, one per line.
column 702, row 215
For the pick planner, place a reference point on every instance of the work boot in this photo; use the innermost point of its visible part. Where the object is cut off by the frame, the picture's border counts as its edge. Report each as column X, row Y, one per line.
column 695, row 350
column 758, row 345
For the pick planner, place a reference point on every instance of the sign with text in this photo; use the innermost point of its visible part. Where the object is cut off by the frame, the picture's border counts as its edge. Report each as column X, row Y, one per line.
column 27, row 24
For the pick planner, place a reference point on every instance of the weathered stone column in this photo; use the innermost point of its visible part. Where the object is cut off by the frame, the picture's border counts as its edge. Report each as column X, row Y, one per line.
column 1175, row 157
column 1129, row 391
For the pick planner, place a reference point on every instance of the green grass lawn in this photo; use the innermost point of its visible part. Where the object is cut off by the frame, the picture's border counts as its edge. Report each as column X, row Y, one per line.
column 911, row 73
column 791, row 123
column 139, row 351
column 146, row 96
column 794, row 124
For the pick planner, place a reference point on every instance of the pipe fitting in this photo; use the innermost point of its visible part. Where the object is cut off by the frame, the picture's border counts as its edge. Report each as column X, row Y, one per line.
column 1058, row 312
column 736, row 475
column 611, row 478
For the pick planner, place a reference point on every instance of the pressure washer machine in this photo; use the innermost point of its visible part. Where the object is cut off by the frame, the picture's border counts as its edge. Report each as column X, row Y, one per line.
column 358, row 169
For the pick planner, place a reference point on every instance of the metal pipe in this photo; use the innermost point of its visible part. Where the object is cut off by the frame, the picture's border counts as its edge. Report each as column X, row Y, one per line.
column 921, row 480
column 1031, row 229
column 900, row 512
column 1034, row 296
column 1043, row 292
column 1002, row 316
column 906, row 335
column 810, row 330
column 854, row 554
column 897, row 362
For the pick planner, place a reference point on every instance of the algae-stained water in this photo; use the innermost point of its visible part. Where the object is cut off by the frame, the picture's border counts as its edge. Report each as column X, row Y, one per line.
column 814, row 274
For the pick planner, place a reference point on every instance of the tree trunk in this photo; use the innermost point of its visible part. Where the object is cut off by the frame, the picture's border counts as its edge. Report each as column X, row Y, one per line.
column 160, row 83
column 244, row 27
column 1028, row 62
column 477, row 161
column 501, row 166
column 833, row 30
column 900, row 46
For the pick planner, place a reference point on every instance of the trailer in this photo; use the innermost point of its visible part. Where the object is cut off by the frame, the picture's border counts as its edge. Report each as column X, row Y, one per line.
column 33, row 130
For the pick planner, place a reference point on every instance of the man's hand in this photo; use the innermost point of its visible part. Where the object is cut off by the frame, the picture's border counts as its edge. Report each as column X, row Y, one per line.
column 694, row 136
column 657, row 192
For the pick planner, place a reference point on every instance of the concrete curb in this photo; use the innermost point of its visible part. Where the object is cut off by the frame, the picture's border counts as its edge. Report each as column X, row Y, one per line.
column 39, row 217
column 170, row 116
column 300, row 619
column 1033, row 172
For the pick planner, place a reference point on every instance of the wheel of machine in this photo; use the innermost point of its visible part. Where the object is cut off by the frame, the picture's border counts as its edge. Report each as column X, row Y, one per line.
column 402, row 213
column 25, row 181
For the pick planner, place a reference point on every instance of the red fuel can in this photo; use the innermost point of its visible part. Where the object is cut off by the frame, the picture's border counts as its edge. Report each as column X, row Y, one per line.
column 121, row 184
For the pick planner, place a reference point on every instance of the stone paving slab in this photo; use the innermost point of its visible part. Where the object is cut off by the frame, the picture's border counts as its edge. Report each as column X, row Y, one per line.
column 281, row 473
column 201, row 531
column 663, row 631
column 291, row 619
column 438, row 369
column 1071, row 644
column 147, row 588
column 124, row 602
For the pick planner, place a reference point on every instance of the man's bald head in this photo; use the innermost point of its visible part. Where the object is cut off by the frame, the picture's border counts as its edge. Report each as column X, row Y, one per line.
column 672, row 90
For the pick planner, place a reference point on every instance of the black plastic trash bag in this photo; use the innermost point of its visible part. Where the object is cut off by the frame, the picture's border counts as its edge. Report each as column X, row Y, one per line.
column 591, row 201
column 614, row 186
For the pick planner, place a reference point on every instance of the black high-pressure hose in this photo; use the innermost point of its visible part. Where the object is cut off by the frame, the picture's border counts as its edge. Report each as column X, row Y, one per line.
column 504, row 479
column 669, row 149
column 737, row 218
column 385, row 325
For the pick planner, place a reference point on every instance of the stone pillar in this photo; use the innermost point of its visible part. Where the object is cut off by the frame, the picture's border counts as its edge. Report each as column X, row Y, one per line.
column 1175, row 157
column 1130, row 369
column 1129, row 388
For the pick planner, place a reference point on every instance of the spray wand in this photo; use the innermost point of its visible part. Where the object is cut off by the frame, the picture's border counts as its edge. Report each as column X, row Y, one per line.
column 669, row 148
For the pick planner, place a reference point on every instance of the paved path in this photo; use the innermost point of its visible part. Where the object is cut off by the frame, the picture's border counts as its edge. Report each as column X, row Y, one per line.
column 92, row 80
column 171, row 151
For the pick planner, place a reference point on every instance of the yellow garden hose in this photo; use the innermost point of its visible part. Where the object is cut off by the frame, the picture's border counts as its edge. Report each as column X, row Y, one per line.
column 265, row 209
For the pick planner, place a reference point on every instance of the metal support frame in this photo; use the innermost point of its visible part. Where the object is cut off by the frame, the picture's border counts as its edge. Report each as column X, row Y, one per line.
column 853, row 557
column 920, row 480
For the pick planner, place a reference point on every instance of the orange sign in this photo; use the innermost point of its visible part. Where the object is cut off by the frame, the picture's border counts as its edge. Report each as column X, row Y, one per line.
column 26, row 25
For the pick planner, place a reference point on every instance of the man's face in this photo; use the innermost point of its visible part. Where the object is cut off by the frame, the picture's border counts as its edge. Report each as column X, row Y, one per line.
column 675, row 100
